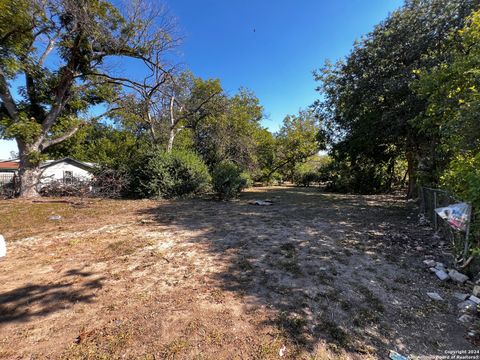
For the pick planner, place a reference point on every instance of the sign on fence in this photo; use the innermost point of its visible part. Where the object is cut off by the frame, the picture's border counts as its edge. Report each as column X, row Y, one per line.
column 456, row 215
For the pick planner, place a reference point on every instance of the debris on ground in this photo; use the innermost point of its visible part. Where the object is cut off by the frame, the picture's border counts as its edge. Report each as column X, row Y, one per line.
column 466, row 319
column 283, row 351
column 434, row 296
column 396, row 356
column 429, row 263
column 475, row 299
column 261, row 202
column 55, row 217
column 460, row 296
column 467, row 306
column 457, row 276
column 442, row 275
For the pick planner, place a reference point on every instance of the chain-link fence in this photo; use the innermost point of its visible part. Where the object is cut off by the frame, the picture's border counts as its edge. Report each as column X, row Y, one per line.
column 8, row 185
column 430, row 199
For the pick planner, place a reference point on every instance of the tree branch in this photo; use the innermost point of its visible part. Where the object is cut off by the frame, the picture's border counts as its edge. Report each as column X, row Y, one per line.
column 48, row 50
column 6, row 97
column 50, row 142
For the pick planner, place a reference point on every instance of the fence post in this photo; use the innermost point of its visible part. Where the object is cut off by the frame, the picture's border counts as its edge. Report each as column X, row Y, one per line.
column 435, row 221
column 466, row 247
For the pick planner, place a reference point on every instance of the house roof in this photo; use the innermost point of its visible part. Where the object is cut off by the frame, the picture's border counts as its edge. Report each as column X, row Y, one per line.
column 9, row 165
column 81, row 164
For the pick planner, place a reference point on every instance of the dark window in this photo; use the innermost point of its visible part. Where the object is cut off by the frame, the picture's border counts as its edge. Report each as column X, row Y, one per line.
column 68, row 177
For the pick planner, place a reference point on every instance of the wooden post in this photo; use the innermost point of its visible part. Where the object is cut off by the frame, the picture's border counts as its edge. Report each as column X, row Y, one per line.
column 435, row 220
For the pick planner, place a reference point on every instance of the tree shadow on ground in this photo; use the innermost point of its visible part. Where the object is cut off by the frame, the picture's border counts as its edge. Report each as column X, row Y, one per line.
column 37, row 300
column 311, row 258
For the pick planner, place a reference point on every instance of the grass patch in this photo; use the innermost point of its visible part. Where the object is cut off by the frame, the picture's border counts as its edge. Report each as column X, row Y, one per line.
column 371, row 299
column 174, row 348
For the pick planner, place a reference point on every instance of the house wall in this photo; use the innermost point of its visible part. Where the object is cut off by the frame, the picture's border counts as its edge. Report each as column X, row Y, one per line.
column 55, row 172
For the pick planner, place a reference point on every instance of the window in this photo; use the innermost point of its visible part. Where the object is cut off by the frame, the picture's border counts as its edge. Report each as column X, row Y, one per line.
column 68, row 177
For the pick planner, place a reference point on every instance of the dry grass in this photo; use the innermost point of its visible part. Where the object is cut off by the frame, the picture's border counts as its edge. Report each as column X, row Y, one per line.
column 197, row 279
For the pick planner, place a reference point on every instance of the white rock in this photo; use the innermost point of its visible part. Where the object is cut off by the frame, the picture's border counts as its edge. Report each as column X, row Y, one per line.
column 476, row 290
column 440, row 266
column 460, row 296
column 3, row 247
column 465, row 318
column 429, row 263
column 475, row 299
column 442, row 275
column 434, row 296
column 457, row 276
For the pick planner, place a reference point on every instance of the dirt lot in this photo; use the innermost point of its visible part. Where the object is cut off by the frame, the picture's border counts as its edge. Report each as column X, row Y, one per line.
column 320, row 275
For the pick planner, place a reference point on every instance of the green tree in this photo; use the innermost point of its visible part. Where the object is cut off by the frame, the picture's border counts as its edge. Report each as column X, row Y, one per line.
column 368, row 107
column 232, row 132
column 452, row 91
column 102, row 144
column 299, row 138
column 81, row 36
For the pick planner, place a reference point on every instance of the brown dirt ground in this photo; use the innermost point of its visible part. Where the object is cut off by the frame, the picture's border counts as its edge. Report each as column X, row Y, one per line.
column 326, row 276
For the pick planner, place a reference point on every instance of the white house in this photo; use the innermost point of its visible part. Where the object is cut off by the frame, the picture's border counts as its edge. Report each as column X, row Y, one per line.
column 66, row 170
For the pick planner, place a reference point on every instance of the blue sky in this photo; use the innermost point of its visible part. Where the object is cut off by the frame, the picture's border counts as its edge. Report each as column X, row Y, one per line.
column 268, row 46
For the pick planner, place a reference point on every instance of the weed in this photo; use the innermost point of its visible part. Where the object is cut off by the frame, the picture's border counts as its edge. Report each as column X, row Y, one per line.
column 174, row 348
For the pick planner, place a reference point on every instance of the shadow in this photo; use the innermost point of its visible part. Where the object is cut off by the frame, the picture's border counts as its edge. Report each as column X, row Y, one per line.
column 330, row 266
column 37, row 300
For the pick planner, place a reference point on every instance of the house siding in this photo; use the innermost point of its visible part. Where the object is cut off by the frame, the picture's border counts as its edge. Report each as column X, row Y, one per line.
column 55, row 172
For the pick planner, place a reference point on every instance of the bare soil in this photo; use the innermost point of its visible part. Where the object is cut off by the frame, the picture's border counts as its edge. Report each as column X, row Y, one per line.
column 322, row 276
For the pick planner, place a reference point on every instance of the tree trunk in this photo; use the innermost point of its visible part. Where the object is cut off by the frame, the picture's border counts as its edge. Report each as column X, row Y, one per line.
column 412, row 176
column 171, row 138
column 29, row 175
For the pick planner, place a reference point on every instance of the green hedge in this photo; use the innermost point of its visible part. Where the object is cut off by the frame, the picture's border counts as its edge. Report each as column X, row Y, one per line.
column 169, row 175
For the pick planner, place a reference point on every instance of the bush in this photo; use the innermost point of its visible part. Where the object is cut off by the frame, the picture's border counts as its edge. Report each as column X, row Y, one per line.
column 169, row 175
column 462, row 178
column 306, row 179
column 229, row 180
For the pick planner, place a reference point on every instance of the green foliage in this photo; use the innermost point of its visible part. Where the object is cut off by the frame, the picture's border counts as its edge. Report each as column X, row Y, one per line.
column 159, row 174
column 298, row 139
column 25, row 129
column 369, row 108
column 452, row 92
column 462, row 177
column 232, row 132
column 306, row 178
column 102, row 144
column 229, row 180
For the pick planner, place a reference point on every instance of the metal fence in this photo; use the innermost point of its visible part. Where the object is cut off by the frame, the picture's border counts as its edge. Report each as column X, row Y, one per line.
column 8, row 184
column 430, row 199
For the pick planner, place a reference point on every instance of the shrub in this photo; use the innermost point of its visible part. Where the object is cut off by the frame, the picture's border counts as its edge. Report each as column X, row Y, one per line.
column 229, row 180
column 306, row 178
column 462, row 177
column 169, row 175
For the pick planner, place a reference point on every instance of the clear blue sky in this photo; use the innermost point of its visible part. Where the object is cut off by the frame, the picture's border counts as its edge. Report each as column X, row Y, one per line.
column 268, row 46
